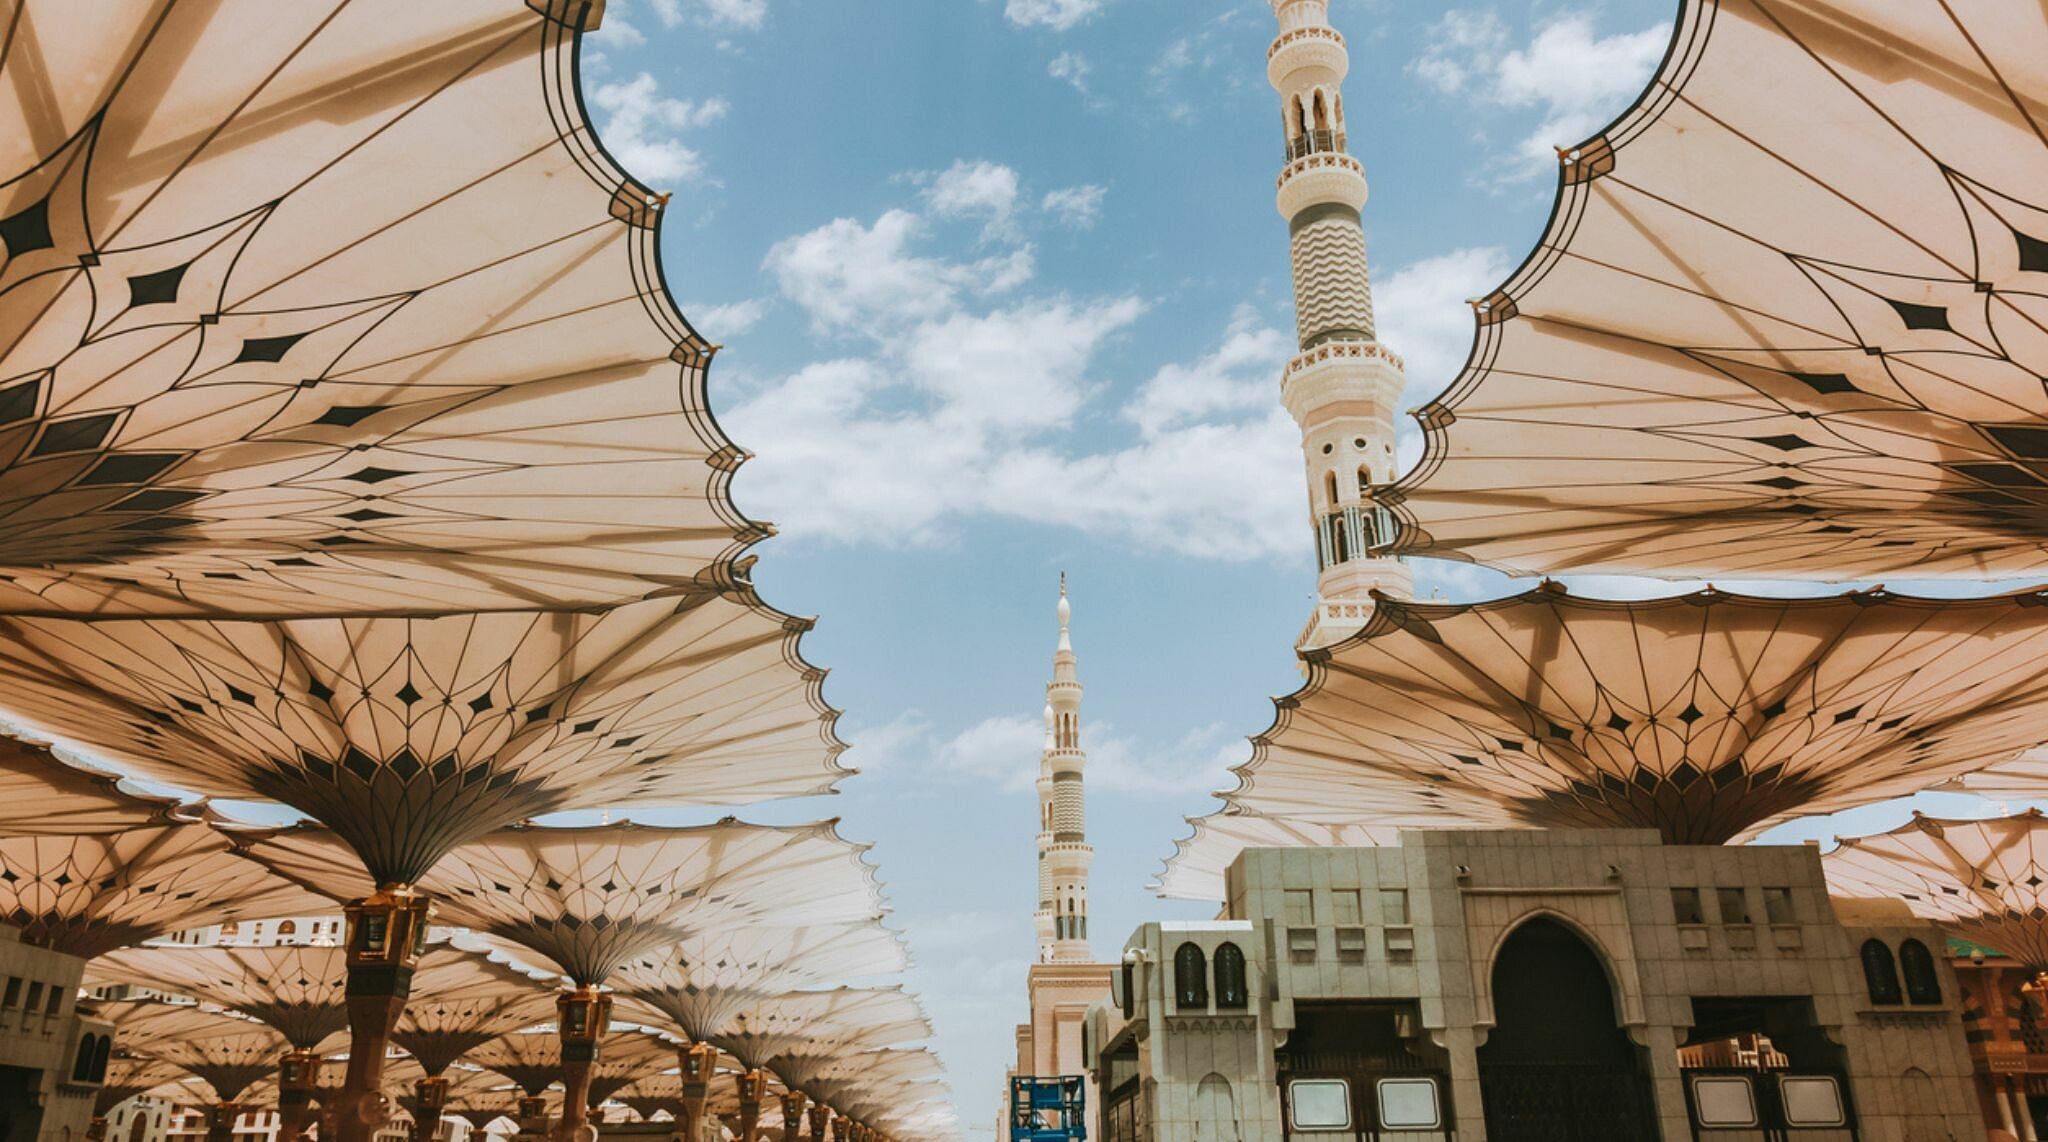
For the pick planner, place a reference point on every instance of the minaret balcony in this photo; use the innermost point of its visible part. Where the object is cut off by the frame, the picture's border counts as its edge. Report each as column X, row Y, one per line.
column 1354, row 531
column 1312, row 32
column 1341, row 351
column 1323, row 177
column 1316, row 143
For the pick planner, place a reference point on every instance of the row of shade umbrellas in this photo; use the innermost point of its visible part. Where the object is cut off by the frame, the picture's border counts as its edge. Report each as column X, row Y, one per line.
column 1749, row 346
column 726, row 939
column 355, row 457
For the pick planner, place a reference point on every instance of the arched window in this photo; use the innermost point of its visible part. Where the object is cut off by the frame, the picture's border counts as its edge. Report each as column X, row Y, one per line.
column 1364, row 482
column 1916, row 963
column 100, row 1055
column 1880, row 973
column 1322, row 111
column 1230, row 989
column 81, row 1068
column 287, row 928
column 1190, row 977
column 1330, row 490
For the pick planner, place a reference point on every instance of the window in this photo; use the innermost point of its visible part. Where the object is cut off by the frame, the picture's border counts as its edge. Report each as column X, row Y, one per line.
column 1344, row 906
column 1394, row 907
column 1923, row 983
column 1723, row 1101
column 287, row 928
column 81, row 1069
column 1319, row 1104
column 1410, row 1104
column 1301, row 906
column 1190, row 977
column 1813, row 1100
column 1685, row 906
column 1230, row 982
column 1778, row 906
column 1880, row 973
column 100, row 1056
column 1734, row 905
column 1130, row 983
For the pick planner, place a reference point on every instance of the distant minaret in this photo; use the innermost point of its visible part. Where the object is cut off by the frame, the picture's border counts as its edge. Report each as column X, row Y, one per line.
column 1063, row 850
column 1342, row 387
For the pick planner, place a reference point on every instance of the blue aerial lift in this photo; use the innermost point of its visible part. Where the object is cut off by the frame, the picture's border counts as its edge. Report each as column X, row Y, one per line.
column 1048, row 1110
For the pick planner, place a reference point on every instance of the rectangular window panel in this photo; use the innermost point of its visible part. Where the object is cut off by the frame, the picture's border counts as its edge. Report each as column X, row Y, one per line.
column 1394, row 907
column 1344, row 906
column 1301, row 906
column 1723, row 1101
column 1319, row 1104
column 1734, row 905
column 1778, row 906
column 1409, row 1104
column 1685, row 906
column 1812, row 1100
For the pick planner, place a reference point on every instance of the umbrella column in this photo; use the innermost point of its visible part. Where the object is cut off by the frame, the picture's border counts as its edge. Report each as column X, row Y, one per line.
column 753, row 1090
column 430, row 1098
column 533, row 1114
column 699, row 1064
column 386, row 932
column 298, row 1079
column 821, row 1121
column 792, row 1115
column 582, row 1016
column 220, row 1121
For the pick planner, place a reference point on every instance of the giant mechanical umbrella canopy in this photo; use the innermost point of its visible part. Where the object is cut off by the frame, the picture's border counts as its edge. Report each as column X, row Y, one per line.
column 409, row 736
column 1707, row 717
column 841, row 1021
column 1196, row 869
column 588, row 900
column 1985, row 881
column 228, row 1054
column 44, row 795
column 533, row 1060
column 90, row 894
column 1787, row 346
column 336, row 308
column 296, row 990
column 703, row 983
column 461, row 1001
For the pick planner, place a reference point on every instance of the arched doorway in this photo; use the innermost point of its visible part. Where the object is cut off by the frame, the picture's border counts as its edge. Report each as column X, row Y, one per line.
column 1557, row 1067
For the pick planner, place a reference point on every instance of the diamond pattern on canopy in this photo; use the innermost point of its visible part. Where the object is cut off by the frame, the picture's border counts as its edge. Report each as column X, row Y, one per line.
column 336, row 308
column 1707, row 717
column 700, row 985
column 42, row 795
column 228, row 1054
column 843, row 1020
column 296, row 990
column 880, row 1067
column 129, row 1076
column 1196, row 868
column 1984, row 881
column 1754, row 343
column 90, row 894
column 409, row 736
column 591, row 899
column 460, row 1001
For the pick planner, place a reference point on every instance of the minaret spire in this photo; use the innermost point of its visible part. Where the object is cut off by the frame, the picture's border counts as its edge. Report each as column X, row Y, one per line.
column 1343, row 385
column 1063, row 850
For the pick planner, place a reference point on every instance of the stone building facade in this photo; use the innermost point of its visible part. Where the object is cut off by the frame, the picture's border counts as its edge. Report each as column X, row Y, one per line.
column 52, row 1061
column 1534, row 984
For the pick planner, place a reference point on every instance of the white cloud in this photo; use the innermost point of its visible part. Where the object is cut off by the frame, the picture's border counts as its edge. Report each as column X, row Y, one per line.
column 849, row 276
column 1573, row 78
column 1075, row 206
column 1421, row 310
column 722, row 321
column 1241, row 375
column 1059, row 15
column 1071, row 67
column 641, row 124
column 1006, row 749
column 982, row 190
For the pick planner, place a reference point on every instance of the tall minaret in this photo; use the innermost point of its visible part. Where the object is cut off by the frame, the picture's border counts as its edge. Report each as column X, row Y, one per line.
column 1342, row 387
column 1063, row 850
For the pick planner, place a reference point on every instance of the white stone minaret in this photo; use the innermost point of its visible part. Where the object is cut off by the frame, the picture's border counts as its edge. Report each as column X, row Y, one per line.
column 1063, row 850
column 1343, row 386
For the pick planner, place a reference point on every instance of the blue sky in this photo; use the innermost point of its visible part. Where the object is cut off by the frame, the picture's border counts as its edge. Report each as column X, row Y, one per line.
column 1003, row 294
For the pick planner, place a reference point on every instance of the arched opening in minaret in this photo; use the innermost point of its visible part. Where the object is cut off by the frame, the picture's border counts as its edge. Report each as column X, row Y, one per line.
column 1330, row 491
column 1364, row 482
column 1322, row 109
